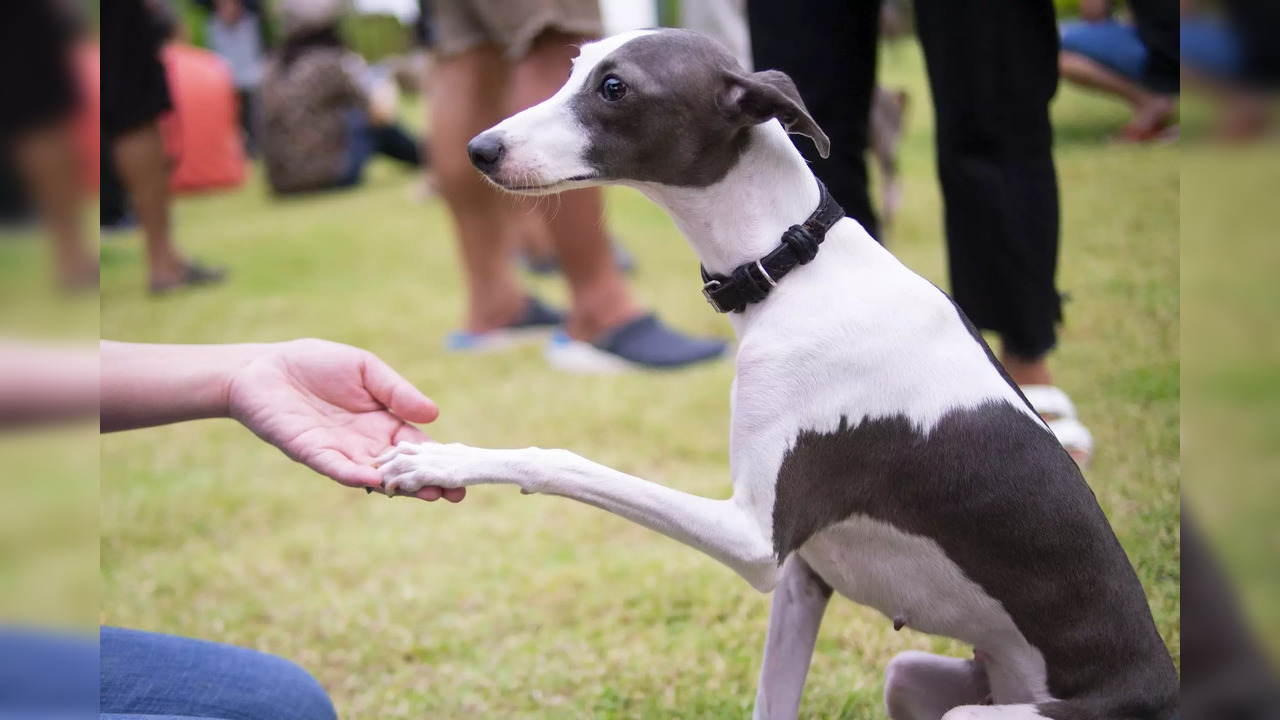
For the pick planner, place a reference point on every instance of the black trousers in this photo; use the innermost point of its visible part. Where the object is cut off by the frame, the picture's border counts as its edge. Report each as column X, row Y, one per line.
column 993, row 68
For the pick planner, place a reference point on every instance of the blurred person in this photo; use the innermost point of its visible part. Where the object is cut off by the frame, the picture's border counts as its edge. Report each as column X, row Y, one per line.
column 236, row 35
column 135, row 94
column 495, row 59
column 37, row 128
column 993, row 68
column 1233, row 58
column 329, row 406
column 1108, row 54
column 322, row 115
column 724, row 20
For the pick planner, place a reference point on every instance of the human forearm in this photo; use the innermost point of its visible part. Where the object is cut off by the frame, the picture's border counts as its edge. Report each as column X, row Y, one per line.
column 145, row 385
column 41, row 384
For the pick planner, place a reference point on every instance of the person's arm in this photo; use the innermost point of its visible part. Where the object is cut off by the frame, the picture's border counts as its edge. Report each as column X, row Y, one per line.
column 332, row 407
column 45, row 385
column 146, row 385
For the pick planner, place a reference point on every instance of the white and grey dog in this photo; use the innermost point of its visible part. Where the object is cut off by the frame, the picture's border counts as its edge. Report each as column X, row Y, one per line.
column 878, row 449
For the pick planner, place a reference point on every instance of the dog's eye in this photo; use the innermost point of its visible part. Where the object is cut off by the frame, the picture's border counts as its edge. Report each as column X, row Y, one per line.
column 612, row 89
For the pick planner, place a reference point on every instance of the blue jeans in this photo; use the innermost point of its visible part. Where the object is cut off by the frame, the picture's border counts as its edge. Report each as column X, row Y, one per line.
column 360, row 146
column 162, row 677
column 1212, row 48
column 1109, row 43
column 47, row 674
column 364, row 140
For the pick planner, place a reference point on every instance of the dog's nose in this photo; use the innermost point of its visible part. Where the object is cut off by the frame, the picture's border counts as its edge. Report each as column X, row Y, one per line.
column 485, row 152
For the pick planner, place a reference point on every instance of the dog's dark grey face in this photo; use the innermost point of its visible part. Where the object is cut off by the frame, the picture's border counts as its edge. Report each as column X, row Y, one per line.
column 667, row 106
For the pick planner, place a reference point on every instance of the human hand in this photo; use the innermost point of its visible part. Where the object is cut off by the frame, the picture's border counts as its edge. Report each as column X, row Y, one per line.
column 332, row 407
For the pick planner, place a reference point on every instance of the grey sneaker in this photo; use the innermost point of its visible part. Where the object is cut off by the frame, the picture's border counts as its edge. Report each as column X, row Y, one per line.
column 644, row 343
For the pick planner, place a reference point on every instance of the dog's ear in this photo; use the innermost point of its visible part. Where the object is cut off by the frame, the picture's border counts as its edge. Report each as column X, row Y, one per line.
column 762, row 96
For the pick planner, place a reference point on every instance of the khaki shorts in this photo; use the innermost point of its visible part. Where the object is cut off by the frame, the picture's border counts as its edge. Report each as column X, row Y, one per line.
column 512, row 25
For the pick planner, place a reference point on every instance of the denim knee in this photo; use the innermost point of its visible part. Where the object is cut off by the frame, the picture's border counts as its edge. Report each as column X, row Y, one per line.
column 152, row 674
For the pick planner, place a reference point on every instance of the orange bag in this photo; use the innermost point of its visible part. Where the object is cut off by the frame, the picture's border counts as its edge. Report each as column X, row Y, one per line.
column 203, row 131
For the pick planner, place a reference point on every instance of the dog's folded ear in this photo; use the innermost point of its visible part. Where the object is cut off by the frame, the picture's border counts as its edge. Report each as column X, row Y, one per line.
column 762, row 96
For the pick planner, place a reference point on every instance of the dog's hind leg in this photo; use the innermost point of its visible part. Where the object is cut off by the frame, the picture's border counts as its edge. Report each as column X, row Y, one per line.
column 798, row 604
column 923, row 686
column 723, row 529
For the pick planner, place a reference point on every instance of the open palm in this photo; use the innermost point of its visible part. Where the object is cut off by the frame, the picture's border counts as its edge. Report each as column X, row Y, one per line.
column 333, row 408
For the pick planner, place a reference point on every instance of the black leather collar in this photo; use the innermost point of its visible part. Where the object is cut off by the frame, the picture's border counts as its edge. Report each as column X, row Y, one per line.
column 751, row 282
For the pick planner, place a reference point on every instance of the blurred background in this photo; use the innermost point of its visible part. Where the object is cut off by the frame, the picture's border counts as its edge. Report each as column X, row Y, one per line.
column 254, row 207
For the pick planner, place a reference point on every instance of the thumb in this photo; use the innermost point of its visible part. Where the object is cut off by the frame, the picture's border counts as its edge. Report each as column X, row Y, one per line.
column 397, row 394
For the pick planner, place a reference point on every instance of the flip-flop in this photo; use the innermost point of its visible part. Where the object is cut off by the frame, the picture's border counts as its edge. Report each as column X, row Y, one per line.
column 1164, row 131
column 644, row 343
column 1059, row 412
column 193, row 275
column 533, row 326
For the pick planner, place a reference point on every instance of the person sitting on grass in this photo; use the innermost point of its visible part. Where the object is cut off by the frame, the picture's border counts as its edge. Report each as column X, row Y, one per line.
column 322, row 113
column 1132, row 61
column 1232, row 57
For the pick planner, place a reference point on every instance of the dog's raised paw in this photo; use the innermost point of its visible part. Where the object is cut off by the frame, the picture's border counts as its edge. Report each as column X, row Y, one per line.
column 409, row 467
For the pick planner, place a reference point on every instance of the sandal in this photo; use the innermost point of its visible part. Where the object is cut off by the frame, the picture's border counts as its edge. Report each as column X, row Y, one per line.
column 1059, row 412
column 1164, row 131
column 534, row 325
column 193, row 275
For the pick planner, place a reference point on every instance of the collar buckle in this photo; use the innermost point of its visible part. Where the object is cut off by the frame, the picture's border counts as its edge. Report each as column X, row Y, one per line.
column 707, row 290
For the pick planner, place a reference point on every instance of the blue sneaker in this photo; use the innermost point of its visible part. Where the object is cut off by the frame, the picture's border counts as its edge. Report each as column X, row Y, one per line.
column 643, row 343
column 537, row 322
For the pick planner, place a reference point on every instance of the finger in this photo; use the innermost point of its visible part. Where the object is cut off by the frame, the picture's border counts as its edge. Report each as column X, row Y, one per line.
column 430, row 493
column 409, row 433
column 344, row 470
column 397, row 394
column 385, row 457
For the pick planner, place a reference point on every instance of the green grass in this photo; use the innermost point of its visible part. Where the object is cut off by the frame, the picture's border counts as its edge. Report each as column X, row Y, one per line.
column 512, row 606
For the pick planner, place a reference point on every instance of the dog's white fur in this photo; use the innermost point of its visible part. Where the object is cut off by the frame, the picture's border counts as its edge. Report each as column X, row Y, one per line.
column 796, row 371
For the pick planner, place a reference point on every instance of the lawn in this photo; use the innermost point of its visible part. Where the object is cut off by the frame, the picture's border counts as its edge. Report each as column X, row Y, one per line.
column 513, row 606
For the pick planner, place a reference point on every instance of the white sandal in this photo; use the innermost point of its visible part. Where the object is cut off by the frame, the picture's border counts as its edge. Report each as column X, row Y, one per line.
column 1059, row 412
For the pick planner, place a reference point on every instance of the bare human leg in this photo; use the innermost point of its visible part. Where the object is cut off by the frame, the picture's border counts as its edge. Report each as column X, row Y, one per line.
column 1026, row 371
column 601, row 299
column 47, row 157
column 474, row 82
column 1151, row 110
column 144, row 170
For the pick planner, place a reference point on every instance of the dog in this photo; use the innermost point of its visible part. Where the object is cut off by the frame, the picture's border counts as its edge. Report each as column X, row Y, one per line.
column 878, row 449
column 888, row 120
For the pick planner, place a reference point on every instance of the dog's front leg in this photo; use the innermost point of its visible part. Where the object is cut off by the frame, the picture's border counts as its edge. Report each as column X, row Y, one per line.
column 722, row 529
column 799, row 602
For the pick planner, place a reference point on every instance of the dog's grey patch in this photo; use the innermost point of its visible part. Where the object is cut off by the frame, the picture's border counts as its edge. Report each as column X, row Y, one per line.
column 674, row 125
column 1009, row 507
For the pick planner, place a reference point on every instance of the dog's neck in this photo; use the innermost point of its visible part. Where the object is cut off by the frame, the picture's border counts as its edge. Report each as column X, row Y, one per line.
column 742, row 217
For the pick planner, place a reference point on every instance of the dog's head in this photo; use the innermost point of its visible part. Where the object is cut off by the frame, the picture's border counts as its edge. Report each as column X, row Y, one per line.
column 662, row 106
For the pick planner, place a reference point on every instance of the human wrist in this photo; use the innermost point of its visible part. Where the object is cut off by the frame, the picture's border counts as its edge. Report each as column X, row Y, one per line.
column 230, row 369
